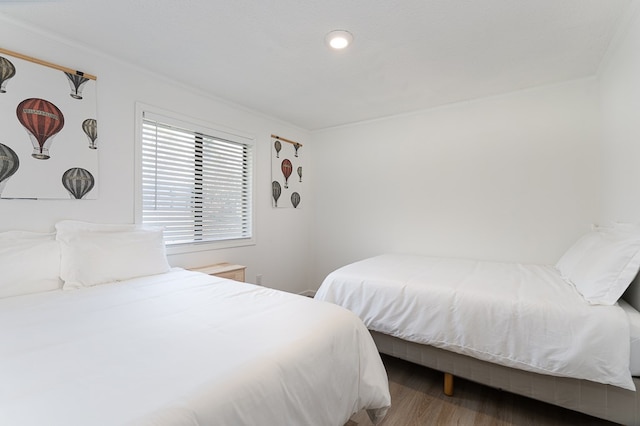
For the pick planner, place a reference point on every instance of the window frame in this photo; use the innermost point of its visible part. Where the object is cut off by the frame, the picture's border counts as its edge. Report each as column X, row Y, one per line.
column 210, row 129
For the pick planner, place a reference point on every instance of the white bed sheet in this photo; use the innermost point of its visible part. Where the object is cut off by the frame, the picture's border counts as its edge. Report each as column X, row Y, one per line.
column 184, row 348
column 517, row 315
column 634, row 336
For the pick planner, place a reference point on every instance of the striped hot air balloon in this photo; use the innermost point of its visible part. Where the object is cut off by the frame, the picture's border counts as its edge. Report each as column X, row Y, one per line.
column 76, row 82
column 276, row 190
column 9, row 164
column 42, row 120
column 278, row 146
column 7, row 70
column 78, row 182
column 295, row 200
column 300, row 172
column 286, row 168
column 296, row 146
column 90, row 128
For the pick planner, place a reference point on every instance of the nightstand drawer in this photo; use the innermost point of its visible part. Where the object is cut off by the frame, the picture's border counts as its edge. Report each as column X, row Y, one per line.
column 224, row 270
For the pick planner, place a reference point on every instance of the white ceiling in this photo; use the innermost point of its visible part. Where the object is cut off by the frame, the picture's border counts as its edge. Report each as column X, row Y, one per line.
column 270, row 56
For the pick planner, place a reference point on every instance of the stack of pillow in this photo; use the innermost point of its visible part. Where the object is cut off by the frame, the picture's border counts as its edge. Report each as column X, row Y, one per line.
column 30, row 263
column 78, row 255
column 603, row 262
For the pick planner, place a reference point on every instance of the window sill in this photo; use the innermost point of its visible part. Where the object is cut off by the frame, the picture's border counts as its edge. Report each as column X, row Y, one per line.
column 217, row 245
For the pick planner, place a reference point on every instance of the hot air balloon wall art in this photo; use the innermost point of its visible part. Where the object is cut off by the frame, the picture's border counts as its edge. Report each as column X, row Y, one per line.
column 78, row 182
column 286, row 161
column 286, row 168
column 7, row 70
column 76, row 82
column 48, row 131
column 42, row 120
column 9, row 164
column 295, row 200
column 278, row 146
column 90, row 128
column 276, row 190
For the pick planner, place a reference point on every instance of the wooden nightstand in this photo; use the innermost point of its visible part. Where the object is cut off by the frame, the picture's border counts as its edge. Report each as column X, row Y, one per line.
column 224, row 270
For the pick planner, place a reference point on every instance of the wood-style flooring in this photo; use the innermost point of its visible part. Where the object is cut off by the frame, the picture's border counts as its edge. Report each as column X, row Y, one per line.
column 417, row 399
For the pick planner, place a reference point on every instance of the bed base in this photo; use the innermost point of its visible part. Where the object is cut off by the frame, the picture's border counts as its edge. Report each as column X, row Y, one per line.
column 604, row 401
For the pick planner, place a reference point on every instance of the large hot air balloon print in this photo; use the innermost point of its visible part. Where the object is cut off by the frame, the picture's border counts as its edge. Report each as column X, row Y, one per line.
column 278, row 146
column 286, row 168
column 295, row 199
column 78, row 182
column 76, row 82
column 9, row 164
column 300, row 172
column 276, row 190
column 296, row 146
column 7, row 70
column 42, row 120
column 90, row 128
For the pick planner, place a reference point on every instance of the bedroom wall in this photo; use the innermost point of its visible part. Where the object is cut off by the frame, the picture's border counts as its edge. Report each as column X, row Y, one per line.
column 619, row 83
column 512, row 178
column 281, row 254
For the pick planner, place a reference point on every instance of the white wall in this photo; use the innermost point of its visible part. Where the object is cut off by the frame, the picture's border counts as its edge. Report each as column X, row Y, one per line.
column 514, row 177
column 511, row 178
column 281, row 254
column 620, row 103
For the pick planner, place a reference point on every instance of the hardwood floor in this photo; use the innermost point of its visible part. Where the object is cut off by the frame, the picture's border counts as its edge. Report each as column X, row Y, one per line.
column 417, row 399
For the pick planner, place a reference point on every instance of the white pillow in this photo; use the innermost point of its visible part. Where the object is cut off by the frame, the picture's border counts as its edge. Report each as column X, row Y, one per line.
column 96, row 254
column 29, row 263
column 608, row 266
column 572, row 257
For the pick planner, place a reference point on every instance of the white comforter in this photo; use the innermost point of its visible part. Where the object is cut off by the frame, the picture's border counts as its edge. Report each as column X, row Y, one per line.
column 184, row 348
column 521, row 316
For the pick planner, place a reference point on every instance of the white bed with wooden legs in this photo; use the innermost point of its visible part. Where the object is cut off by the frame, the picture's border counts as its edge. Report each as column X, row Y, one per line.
column 556, row 333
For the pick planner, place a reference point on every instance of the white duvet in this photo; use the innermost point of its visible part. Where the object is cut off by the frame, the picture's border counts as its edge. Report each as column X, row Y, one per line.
column 517, row 315
column 184, row 348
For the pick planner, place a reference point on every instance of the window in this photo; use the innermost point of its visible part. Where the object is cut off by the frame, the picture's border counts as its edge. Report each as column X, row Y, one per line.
column 196, row 182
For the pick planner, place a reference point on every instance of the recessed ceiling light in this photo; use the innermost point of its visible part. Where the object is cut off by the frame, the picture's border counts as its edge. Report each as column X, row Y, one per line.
column 339, row 39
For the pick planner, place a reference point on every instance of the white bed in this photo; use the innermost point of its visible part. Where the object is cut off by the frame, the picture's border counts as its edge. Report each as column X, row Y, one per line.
column 171, row 348
column 523, row 328
column 183, row 348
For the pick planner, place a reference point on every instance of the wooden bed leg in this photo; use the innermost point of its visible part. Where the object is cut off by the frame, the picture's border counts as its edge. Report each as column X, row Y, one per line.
column 448, row 384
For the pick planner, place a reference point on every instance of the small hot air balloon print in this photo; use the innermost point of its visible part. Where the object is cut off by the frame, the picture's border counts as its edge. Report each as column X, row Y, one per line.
column 9, row 164
column 90, row 128
column 42, row 120
column 296, row 146
column 7, row 70
column 78, row 182
column 299, row 170
column 278, row 146
column 276, row 190
column 286, row 168
column 76, row 82
column 295, row 199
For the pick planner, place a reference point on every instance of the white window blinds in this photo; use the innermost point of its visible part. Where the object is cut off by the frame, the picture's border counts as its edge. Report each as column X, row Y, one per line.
column 196, row 185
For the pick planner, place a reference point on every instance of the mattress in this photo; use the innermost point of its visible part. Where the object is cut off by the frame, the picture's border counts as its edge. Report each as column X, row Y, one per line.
column 184, row 348
column 634, row 336
column 520, row 316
